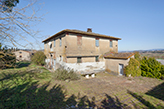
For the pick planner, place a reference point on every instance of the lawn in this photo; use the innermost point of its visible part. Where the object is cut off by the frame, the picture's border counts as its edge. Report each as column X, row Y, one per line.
column 32, row 86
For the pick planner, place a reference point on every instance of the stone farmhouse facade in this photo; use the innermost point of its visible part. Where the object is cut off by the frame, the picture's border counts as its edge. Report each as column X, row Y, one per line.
column 22, row 55
column 79, row 50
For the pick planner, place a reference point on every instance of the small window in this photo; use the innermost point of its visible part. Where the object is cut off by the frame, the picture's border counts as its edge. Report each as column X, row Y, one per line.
column 20, row 56
column 79, row 40
column 97, row 42
column 61, row 58
column 20, row 52
column 54, row 43
column 97, row 58
column 79, row 60
column 60, row 42
column 111, row 43
column 50, row 45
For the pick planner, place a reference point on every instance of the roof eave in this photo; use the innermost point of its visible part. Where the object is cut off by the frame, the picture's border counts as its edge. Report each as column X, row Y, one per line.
column 69, row 31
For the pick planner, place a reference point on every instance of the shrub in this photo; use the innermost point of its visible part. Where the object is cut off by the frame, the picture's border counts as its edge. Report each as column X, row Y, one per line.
column 133, row 68
column 39, row 58
column 7, row 59
column 137, row 56
column 150, row 67
column 62, row 74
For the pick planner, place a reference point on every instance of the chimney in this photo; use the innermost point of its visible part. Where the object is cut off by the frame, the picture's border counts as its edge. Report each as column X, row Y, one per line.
column 89, row 29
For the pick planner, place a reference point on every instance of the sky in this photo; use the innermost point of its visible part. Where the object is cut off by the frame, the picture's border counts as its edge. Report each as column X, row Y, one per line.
column 139, row 23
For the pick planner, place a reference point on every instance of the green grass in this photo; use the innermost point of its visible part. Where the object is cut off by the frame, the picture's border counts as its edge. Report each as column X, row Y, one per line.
column 32, row 86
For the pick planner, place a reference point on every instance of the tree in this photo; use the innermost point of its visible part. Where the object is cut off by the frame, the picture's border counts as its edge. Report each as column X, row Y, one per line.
column 7, row 59
column 15, row 23
column 39, row 58
column 137, row 56
column 9, row 4
column 133, row 68
column 150, row 67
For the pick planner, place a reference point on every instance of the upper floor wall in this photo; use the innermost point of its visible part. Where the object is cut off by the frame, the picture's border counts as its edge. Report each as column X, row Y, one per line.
column 87, row 46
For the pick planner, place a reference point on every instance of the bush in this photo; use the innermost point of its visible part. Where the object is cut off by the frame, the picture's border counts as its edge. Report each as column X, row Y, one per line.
column 7, row 59
column 150, row 67
column 62, row 74
column 39, row 58
column 137, row 56
column 133, row 68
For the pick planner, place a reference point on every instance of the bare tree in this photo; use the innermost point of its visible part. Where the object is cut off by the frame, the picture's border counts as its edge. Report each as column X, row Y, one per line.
column 16, row 23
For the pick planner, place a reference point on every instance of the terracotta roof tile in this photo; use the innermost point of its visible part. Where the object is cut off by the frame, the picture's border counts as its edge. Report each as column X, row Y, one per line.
column 118, row 55
column 81, row 33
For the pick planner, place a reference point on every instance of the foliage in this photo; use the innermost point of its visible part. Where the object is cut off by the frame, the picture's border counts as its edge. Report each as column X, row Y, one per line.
column 39, row 58
column 133, row 68
column 7, row 58
column 137, row 56
column 16, row 23
column 150, row 67
column 7, row 5
column 62, row 74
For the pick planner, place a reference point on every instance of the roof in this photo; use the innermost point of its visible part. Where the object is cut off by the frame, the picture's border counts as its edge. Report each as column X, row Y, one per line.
column 118, row 55
column 81, row 33
column 21, row 51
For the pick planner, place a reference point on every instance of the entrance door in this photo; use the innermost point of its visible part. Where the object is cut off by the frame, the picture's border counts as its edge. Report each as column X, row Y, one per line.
column 121, row 66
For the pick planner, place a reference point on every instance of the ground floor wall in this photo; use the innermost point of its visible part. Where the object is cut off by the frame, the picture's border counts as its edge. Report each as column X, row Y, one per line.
column 85, row 67
column 114, row 64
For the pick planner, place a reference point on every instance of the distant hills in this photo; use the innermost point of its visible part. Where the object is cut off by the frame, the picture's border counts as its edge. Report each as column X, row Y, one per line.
column 149, row 50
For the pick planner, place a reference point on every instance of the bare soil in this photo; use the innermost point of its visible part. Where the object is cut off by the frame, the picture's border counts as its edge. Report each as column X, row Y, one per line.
column 111, row 91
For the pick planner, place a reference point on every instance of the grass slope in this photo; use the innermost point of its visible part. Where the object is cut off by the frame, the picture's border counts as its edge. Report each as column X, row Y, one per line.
column 32, row 86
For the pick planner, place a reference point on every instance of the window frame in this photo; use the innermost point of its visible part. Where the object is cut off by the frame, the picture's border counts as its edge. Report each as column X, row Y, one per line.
column 54, row 42
column 111, row 43
column 60, row 43
column 97, row 42
column 97, row 58
column 78, row 59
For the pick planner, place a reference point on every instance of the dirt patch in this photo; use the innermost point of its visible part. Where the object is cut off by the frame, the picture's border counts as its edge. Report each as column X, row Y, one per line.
column 119, row 90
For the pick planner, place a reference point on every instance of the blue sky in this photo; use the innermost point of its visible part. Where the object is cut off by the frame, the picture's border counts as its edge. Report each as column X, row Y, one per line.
column 140, row 23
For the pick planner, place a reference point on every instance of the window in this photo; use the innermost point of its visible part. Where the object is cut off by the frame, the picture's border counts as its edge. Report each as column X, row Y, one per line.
column 97, row 42
column 20, row 52
column 79, row 60
column 111, row 43
column 60, row 42
column 97, row 58
column 50, row 45
column 79, row 40
column 54, row 42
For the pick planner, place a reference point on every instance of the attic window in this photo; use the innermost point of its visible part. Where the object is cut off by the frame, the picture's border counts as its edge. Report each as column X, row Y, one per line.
column 20, row 52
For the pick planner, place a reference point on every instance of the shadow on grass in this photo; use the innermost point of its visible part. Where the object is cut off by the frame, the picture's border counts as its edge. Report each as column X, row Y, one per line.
column 143, row 101
column 111, row 103
column 22, row 64
column 157, row 92
column 22, row 90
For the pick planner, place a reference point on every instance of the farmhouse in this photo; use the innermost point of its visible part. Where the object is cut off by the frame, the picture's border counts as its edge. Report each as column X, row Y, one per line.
column 78, row 50
column 22, row 55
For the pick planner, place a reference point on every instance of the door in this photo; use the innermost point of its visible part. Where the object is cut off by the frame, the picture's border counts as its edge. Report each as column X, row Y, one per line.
column 121, row 66
column 54, row 64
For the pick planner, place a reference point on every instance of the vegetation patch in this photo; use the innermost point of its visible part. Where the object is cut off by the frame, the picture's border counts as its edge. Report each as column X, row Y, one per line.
column 39, row 58
column 63, row 74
